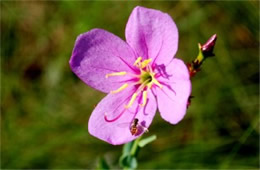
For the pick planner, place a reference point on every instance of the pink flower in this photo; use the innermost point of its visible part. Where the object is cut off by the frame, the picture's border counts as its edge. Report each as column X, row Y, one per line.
column 138, row 75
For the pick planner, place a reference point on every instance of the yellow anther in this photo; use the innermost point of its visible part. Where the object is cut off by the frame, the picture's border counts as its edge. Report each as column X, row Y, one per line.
column 145, row 62
column 157, row 83
column 122, row 73
column 137, row 61
column 131, row 101
column 120, row 88
column 144, row 98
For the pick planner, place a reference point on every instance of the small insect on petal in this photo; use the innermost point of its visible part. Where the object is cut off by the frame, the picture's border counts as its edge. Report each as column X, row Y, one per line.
column 136, row 128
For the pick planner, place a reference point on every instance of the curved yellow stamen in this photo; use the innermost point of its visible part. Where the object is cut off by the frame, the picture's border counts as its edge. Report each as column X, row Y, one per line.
column 120, row 88
column 157, row 83
column 122, row 73
column 149, row 85
column 131, row 101
column 144, row 98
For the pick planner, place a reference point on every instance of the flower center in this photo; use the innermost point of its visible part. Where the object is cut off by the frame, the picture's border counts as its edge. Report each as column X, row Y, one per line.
column 146, row 78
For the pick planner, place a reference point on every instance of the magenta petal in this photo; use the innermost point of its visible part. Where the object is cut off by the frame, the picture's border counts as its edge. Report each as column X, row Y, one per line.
column 152, row 34
column 97, row 53
column 118, row 132
column 172, row 100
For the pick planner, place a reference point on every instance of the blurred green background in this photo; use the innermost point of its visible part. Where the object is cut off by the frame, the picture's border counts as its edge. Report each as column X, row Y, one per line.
column 45, row 107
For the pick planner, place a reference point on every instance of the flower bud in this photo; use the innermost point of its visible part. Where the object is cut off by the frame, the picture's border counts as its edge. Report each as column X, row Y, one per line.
column 207, row 48
column 205, row 51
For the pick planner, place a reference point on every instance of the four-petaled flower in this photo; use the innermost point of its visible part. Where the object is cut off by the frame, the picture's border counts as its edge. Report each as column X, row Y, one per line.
column 138, row 75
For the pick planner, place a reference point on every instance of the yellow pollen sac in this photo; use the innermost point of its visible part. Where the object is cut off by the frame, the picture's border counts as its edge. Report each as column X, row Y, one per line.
column 131, row 101
column 145, row 63
column 120, row 88
column 122, row 73
column 142, row 64
column 144, row 98
column 137, row 61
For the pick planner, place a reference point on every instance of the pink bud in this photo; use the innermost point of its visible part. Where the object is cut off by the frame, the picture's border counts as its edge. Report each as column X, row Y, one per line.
column 207, row 48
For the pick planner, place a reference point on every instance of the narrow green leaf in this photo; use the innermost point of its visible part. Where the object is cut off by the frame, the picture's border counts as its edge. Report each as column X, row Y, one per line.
column 147, row 140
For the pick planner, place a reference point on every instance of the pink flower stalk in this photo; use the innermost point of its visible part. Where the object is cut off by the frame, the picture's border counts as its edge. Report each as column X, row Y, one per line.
column 138, row 75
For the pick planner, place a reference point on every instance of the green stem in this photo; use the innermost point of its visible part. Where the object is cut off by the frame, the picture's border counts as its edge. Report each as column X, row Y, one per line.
column 134, row 148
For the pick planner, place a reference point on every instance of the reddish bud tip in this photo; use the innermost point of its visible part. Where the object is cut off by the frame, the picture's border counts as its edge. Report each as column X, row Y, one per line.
column 207, row 48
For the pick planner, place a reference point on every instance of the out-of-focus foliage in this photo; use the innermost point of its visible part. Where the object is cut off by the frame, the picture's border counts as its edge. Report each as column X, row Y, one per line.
column 45, row 107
